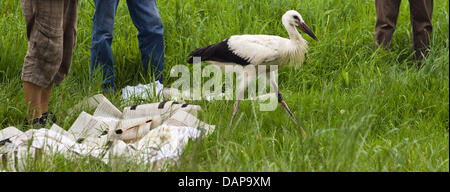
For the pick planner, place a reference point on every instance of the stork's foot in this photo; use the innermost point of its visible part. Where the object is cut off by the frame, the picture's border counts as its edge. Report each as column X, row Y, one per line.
column 286, row 108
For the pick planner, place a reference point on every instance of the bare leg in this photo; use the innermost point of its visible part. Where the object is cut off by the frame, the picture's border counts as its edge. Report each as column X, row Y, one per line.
column 285, row 106
column 32, row 94
column 45, row 98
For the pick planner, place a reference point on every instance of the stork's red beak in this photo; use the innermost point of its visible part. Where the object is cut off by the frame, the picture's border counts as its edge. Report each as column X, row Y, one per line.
column 302, row 26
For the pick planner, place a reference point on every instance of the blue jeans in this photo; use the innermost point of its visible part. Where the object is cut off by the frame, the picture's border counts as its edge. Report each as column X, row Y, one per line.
column 146, row 18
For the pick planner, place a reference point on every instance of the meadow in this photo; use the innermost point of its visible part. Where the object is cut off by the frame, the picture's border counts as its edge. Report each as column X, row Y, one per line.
column 363, row 110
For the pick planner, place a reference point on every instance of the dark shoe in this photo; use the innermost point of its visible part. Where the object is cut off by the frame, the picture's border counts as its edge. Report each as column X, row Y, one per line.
column 45, row 117
column 34, row 122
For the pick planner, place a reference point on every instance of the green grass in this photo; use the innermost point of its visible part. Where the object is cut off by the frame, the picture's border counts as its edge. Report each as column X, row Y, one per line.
column 396, row 116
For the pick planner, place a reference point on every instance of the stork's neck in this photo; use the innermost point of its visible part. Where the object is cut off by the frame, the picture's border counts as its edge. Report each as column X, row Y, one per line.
column 297, row 48
column 294, row 35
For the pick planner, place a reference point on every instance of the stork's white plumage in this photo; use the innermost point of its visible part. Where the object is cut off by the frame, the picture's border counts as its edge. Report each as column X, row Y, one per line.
column 256, row 50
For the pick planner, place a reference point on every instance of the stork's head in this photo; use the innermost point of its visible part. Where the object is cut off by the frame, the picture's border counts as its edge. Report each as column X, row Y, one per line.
column 294, row 19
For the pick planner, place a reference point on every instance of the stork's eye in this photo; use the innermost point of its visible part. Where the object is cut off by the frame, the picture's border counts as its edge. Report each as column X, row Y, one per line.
column 296, row 17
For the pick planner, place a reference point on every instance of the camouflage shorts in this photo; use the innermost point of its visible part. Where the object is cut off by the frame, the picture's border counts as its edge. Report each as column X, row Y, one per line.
column 51, row 32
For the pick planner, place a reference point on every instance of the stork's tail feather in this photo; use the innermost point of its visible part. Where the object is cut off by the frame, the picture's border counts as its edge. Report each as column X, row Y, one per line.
column 200, row 52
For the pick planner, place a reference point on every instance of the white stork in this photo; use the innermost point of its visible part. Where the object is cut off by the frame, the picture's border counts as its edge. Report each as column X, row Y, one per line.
column 256, row 50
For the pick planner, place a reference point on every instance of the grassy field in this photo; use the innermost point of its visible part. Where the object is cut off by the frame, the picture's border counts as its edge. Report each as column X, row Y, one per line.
column 362, row 110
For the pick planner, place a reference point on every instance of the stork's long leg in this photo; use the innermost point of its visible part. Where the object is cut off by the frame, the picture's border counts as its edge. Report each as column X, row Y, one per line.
column 242, row 84
column 285, row 106
column 282, row 103
column 236, row 105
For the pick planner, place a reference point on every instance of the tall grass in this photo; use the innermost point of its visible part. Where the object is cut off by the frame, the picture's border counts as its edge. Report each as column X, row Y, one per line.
column 363, row 110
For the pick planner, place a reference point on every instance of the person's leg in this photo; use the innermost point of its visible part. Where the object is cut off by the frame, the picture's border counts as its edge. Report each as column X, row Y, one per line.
column 70, row 15
column 44, row 55
column 31, row 91
column 421, row 13
column 387, row 13
column 45, row 98
column 37, row 99
column 69, row 39
column 102, row 35
column 46, row 115
column 32, row 95
column 147, row 20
